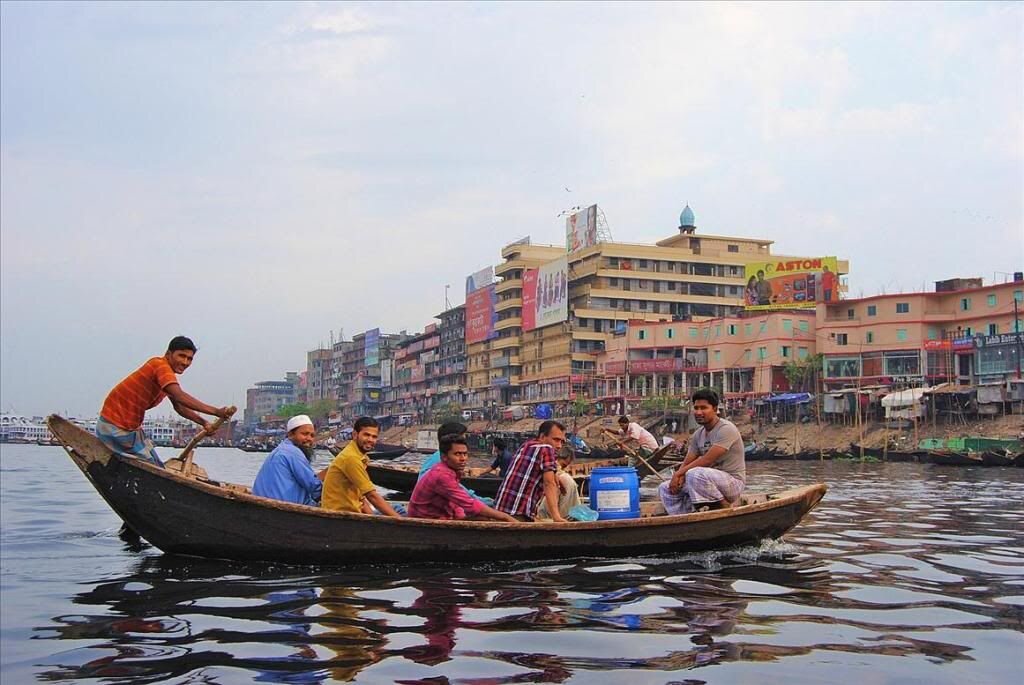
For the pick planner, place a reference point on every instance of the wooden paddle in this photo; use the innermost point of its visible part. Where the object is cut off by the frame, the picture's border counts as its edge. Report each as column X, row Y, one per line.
column 646, row 463
column 187, row 454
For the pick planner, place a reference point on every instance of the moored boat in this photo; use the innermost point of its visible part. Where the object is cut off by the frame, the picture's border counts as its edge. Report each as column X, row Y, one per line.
column 182, row 514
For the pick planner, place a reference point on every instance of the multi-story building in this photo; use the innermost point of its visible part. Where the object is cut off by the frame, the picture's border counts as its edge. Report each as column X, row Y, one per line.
column 963, row 332
column 267, row 397
column 494, row 367
column 615, row 287
column 447, row 374
column 358, row 383
column 412, row 391
column 740, row 356
column 318, row 375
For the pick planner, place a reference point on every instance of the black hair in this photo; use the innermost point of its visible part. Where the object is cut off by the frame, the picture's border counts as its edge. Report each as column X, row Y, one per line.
column 623, row 419
column 545, row 428
column 445, row 443
column 365, row 422
column 499, row 443
column 706, row 394
column 450, row 428
column 180, row 342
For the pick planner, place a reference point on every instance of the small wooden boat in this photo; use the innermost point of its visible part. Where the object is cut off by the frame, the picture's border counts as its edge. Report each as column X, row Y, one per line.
column 383, row 451
column 951, row 458
column 186, row 514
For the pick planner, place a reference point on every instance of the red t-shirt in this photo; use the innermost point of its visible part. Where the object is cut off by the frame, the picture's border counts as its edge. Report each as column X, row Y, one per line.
column 143, row 389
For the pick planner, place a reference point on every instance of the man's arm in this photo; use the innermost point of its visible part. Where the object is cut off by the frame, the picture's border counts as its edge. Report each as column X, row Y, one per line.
column 693, row 461
column 187, row 406
column 374, row 498
column 304, row 475
column 551, row 496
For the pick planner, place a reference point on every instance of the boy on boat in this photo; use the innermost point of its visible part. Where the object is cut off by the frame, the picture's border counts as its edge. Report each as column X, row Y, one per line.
column 347, row 485
column 713, row 474
column 447, row 428
column 438, row 495
column 532, row 476
column 119, row 426
column 286, row 474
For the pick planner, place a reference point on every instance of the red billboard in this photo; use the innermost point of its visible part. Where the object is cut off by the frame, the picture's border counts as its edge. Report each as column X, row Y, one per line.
column 530, row 299
column 655, row 365
column 480, row 315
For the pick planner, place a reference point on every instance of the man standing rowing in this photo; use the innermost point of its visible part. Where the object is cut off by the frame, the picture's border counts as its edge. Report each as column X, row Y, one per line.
column 119, row 426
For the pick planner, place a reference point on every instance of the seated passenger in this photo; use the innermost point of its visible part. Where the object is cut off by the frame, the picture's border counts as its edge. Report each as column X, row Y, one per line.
column 502, row 458
column 531, row 477
column 568, row 491
column 286, row 474
column 447, row 428
column 438, row 495
column 347, row 485
column 714, row 472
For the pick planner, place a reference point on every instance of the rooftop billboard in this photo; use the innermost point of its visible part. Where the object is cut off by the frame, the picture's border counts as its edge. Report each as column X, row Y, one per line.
column 791, row 283
column 480, row 315
column 546, row 294
column 581, row 229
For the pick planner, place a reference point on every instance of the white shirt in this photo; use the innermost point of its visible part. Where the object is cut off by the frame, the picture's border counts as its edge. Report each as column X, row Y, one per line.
column 642, row 436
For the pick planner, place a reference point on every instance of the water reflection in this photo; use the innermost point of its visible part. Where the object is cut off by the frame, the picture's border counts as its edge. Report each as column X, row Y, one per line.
column 920, row 579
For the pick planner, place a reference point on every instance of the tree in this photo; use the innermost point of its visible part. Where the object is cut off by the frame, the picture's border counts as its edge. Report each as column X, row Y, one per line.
column 286, row 411
column 803, row 375
column 320, row 409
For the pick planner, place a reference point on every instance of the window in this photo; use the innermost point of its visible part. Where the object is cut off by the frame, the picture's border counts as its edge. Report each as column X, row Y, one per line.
column 785, row 351
column 643, row 263
column 850, row 313
column 613, row 282
column 733, row 248
column 732, row 329
column 718, row 355
column 748, row 329
column 968, row 332
column 901, row 334
column 965, row 304
column 718, row 331
column 762, row 353
column 643, row 304
column 747, row 355
column 764, row 326
column 902, row 307
column 842, row 367
column 804, row 326
column 869, row 337
column 840, row 338
column 933, row 333
column 993, row 328
column 787, row 325
column 642, row 335
column 992, row 300
column 902, row 364
column 872, row 310
column 613, row 262
column 1018, row 295
column 801, row 353
column 669, row 334
column 693, row 332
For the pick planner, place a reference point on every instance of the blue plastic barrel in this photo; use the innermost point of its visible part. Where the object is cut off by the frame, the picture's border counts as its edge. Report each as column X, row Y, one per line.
column 615, row 492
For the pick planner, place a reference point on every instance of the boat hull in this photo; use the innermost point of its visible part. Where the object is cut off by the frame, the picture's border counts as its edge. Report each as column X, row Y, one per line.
column 182, row 515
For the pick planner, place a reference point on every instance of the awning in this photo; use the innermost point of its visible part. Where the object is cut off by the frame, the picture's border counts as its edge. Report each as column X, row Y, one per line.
column 790, row 398
column 951, row 389
column 904, row 398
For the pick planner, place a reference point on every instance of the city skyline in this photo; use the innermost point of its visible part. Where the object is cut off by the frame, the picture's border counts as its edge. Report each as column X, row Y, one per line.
column 257, row 177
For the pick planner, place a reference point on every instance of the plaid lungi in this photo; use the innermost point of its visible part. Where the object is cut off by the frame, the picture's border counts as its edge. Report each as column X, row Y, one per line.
column 128, row 443
column 703, row 485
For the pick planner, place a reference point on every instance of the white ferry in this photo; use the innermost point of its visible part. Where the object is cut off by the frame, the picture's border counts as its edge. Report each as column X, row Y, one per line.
column 24, row 429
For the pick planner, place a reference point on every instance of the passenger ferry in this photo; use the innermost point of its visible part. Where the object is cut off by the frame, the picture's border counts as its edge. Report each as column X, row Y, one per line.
column 24, row 429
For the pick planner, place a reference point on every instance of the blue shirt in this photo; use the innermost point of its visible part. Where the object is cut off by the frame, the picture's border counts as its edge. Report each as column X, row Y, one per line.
column 286, row 475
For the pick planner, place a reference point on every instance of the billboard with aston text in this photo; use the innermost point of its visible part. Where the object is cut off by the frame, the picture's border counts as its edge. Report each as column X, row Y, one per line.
column 791, row 283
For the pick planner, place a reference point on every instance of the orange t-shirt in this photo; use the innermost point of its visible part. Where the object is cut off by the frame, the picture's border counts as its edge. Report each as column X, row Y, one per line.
column 143, row 389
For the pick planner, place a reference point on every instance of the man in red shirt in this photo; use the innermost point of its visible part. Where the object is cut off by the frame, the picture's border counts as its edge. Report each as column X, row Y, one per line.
column 438, row 495
column 119, row 426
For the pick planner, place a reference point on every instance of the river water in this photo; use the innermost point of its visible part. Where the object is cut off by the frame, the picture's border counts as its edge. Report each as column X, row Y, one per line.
column 905, row 573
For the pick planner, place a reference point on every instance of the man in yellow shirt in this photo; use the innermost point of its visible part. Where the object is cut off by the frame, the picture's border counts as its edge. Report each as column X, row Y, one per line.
column 347, row 485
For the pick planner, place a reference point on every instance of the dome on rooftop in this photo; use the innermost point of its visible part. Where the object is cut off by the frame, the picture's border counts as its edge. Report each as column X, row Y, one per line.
column 686, row 218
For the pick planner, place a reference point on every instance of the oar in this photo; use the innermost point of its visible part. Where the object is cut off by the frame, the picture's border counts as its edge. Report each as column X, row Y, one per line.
column 646, row 463
column 189, row 451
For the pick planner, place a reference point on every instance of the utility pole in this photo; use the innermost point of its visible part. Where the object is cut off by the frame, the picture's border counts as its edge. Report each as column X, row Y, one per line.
column 1016, row 335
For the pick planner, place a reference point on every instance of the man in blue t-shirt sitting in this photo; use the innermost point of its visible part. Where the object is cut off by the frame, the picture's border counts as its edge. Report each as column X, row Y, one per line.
column 287, row 474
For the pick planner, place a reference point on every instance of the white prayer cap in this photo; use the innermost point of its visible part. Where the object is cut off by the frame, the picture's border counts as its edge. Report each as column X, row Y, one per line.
column 299, row 420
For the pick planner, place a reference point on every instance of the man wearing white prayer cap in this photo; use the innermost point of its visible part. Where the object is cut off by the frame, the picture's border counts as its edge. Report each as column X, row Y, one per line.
column 286, row 474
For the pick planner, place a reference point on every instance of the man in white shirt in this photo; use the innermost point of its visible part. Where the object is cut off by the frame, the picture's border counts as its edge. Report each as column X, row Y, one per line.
column 629, row 431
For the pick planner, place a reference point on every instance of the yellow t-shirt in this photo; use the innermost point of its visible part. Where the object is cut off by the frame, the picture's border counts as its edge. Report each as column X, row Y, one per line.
column 346, row 482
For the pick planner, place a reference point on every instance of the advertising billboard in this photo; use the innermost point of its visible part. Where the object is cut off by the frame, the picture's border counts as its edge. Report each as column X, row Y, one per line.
column 480, row 279
column 547, row 291
column 371, row 347
column 787, row 283
column 581, row 229
column 480, row 315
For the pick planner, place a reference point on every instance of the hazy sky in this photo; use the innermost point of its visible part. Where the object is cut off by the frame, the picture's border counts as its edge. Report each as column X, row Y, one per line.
column 256, row 176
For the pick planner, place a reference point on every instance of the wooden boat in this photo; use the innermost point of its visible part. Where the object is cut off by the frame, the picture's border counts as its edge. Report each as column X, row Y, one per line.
column 951, row 458
column 384, row 451
column 185, row 514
